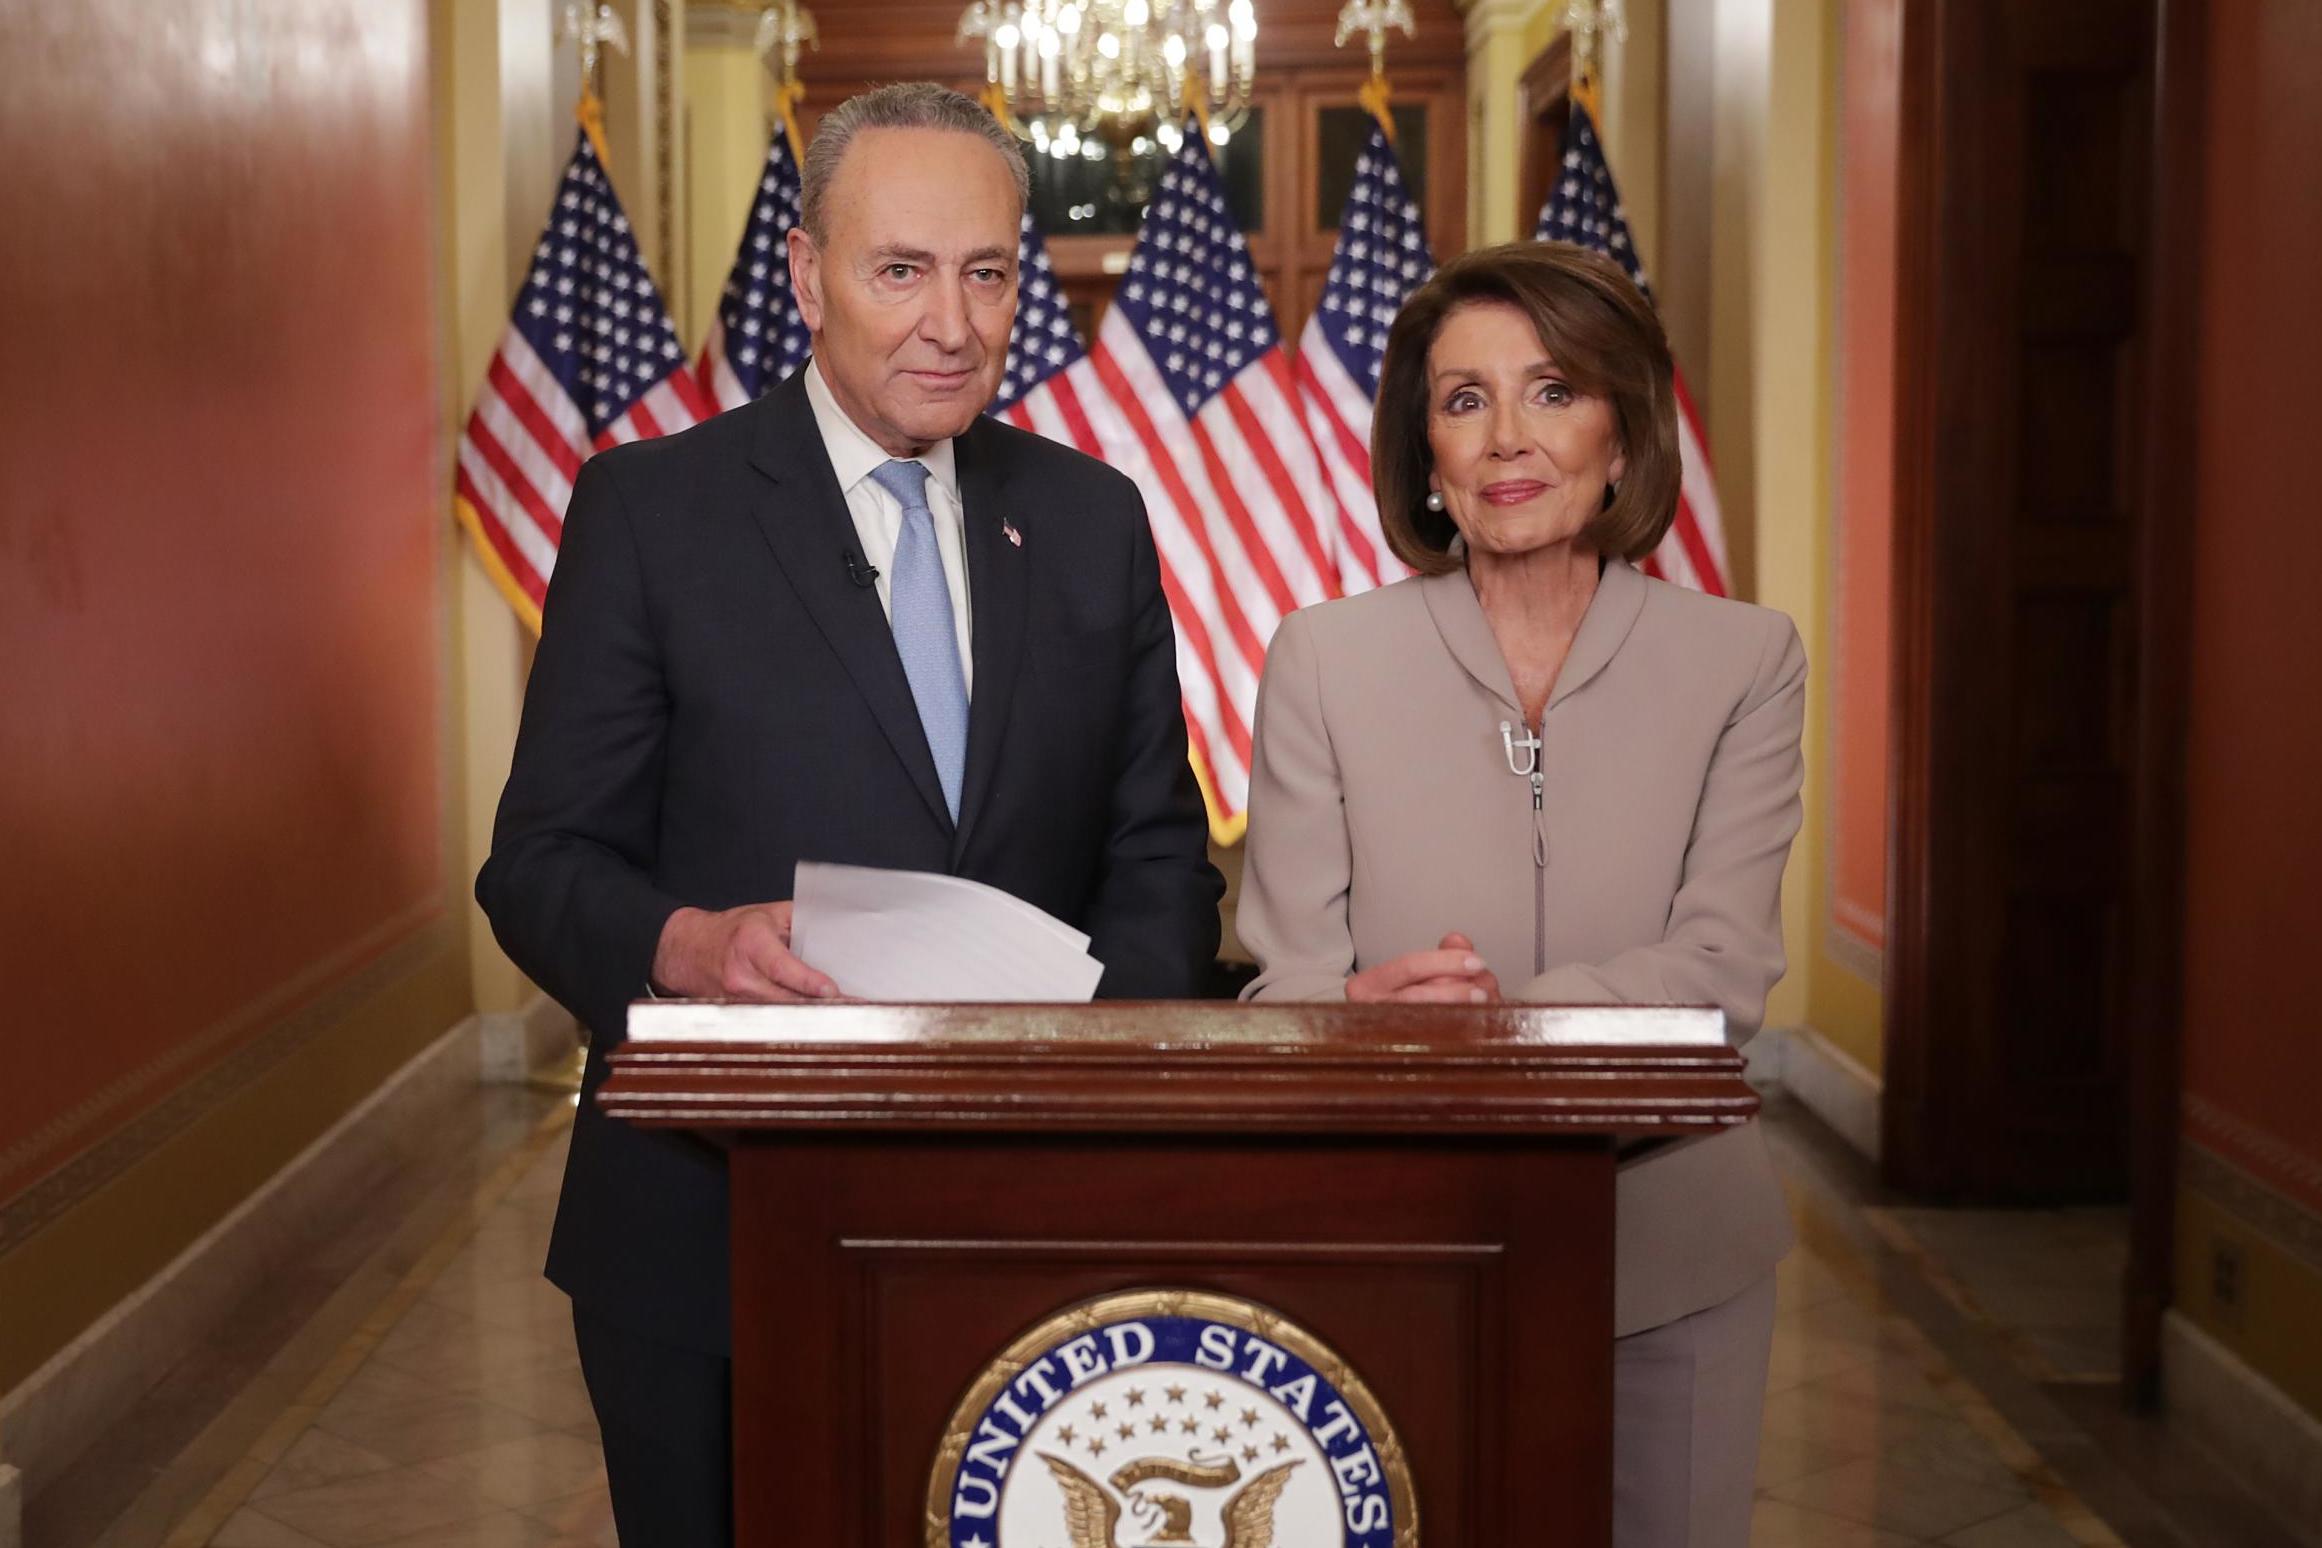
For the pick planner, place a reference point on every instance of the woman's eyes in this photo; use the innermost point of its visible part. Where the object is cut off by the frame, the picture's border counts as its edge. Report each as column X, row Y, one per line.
column 1552, row 393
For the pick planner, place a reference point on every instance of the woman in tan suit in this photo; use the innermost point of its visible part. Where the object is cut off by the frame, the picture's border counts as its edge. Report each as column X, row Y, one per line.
column 1531, row 772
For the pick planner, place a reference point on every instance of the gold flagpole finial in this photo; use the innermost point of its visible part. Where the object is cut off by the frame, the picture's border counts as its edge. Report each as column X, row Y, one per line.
column 1374, row 17
column 785, row 29
column 1591, row 22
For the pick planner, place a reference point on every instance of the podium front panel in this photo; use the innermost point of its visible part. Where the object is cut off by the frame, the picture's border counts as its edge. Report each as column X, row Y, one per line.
column 1467, row 1283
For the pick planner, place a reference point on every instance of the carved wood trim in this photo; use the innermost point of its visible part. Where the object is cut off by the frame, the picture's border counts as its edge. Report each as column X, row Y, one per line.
column 1188, row 1069
column 2165, row 559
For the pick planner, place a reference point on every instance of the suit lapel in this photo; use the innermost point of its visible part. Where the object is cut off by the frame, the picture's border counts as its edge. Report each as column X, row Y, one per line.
column 1612, row 612
column 999, row 583
column 807, row 525
column 1459, row 618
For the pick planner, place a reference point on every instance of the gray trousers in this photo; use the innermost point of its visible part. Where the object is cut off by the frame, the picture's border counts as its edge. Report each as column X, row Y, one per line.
column 1687, row 1400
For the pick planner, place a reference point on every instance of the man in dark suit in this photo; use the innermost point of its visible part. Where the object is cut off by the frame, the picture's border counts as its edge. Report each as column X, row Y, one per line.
column 854, row 621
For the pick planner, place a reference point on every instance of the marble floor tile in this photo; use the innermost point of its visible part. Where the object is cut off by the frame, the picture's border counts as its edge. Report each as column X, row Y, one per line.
column 248, row 1529
column 376, row 1386
column 586, row 1517
column 1775, row 1524
column 528, row 1472
column 1785, row 1458
column 555, row 1398
column 434, row 1427
column 501, row 1529
column 379, row 1507
column 1889, row 1380
column 2030, row 1526
column 318, row 1457
column 1910, row 1501
column 1798, row 1357
column 468, row 1357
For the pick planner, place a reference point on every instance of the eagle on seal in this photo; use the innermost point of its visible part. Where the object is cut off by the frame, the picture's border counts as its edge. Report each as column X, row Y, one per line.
column 1092, row 1516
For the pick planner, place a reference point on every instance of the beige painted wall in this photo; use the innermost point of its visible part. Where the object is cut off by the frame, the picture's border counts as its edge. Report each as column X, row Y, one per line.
column 500, row 148
column 725, row 147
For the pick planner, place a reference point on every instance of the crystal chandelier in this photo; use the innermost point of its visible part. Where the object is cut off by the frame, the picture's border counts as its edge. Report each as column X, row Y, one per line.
column 1074, row 74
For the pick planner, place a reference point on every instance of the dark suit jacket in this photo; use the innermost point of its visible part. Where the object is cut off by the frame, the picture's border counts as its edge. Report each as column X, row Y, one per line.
column 714, row 700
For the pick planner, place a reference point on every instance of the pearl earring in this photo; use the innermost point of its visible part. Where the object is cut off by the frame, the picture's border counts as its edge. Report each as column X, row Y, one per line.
column 1435, row 499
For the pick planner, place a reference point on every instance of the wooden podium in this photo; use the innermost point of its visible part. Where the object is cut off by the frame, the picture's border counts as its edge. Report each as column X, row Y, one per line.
column 968, row 1239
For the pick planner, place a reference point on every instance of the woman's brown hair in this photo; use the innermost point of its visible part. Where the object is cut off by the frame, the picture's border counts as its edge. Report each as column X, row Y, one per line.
column 1601, row 332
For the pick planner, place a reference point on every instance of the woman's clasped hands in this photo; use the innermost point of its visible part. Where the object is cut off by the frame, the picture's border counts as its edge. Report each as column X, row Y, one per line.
column 1451, row 974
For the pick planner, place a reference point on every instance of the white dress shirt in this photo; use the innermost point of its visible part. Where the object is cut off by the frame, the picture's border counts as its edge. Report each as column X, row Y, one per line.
column 878, row 518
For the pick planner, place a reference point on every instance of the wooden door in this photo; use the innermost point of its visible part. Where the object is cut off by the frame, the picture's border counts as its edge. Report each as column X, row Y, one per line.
column 2021, row 341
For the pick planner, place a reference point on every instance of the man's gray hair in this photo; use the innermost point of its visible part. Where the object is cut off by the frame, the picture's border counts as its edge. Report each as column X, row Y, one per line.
column 905, row 105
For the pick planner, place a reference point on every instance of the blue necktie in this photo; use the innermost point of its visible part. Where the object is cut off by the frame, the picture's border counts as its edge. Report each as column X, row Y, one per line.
column 925, row 636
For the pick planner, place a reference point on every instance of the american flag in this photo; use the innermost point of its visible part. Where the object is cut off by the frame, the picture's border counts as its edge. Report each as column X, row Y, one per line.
column 1585, row 208
column 589, row 360
column 1382, row 257
column 758, row 338
column 1188, row 391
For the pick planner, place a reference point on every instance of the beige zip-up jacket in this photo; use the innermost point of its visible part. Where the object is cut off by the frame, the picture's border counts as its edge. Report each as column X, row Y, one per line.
column 1644, row 866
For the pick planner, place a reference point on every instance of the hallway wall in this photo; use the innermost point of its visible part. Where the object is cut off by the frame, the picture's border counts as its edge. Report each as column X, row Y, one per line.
column 1848, row 916
column 2253, row 908
column 223, row 766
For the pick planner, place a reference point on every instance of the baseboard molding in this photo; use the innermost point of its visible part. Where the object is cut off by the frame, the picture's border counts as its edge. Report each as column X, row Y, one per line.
column 70, row 1401
column 512, row 1045
column 2247, row 1422
column 1825, row 1080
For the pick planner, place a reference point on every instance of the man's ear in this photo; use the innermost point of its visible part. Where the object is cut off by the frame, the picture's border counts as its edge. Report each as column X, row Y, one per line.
column 806, row 277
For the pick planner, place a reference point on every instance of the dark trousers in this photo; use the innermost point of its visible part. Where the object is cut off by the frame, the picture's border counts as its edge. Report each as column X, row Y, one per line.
column 667, row 1416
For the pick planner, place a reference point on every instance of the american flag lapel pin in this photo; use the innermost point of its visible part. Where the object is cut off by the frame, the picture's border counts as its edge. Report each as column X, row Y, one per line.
column 1008, row 530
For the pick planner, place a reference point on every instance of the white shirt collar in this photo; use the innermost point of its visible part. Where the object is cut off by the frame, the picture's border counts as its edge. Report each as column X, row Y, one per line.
column 854, row 455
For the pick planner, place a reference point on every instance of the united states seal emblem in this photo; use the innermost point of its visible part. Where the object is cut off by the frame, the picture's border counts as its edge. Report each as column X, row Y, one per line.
column 1169, row 1419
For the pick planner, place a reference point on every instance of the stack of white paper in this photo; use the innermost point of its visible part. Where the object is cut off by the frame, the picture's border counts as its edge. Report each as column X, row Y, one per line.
column 915, row 935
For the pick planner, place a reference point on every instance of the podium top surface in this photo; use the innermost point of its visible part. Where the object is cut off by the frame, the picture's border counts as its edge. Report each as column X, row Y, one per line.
column 1179, row 1066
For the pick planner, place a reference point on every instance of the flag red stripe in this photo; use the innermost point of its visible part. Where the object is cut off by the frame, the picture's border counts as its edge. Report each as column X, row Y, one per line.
column 510, row 389
column 1255, row 549
column 551, row 523
column 698, row 401
column 1692, row 417
column 1068, row 403
column 1687, row 531
column 1189, row 514
column 511, row 558
column 1313, row 396
column 1192, row 630
column 1196, row 634
column 1190, row 627
column 1286, row 490
column 1348, row 444
column 642, row 421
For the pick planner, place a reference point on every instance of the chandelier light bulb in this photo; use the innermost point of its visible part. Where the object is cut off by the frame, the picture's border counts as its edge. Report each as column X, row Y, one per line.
column 1219, row 134
column 1112, row 68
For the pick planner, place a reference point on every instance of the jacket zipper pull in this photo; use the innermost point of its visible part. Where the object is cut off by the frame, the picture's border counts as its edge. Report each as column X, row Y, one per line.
column 1539, row 824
